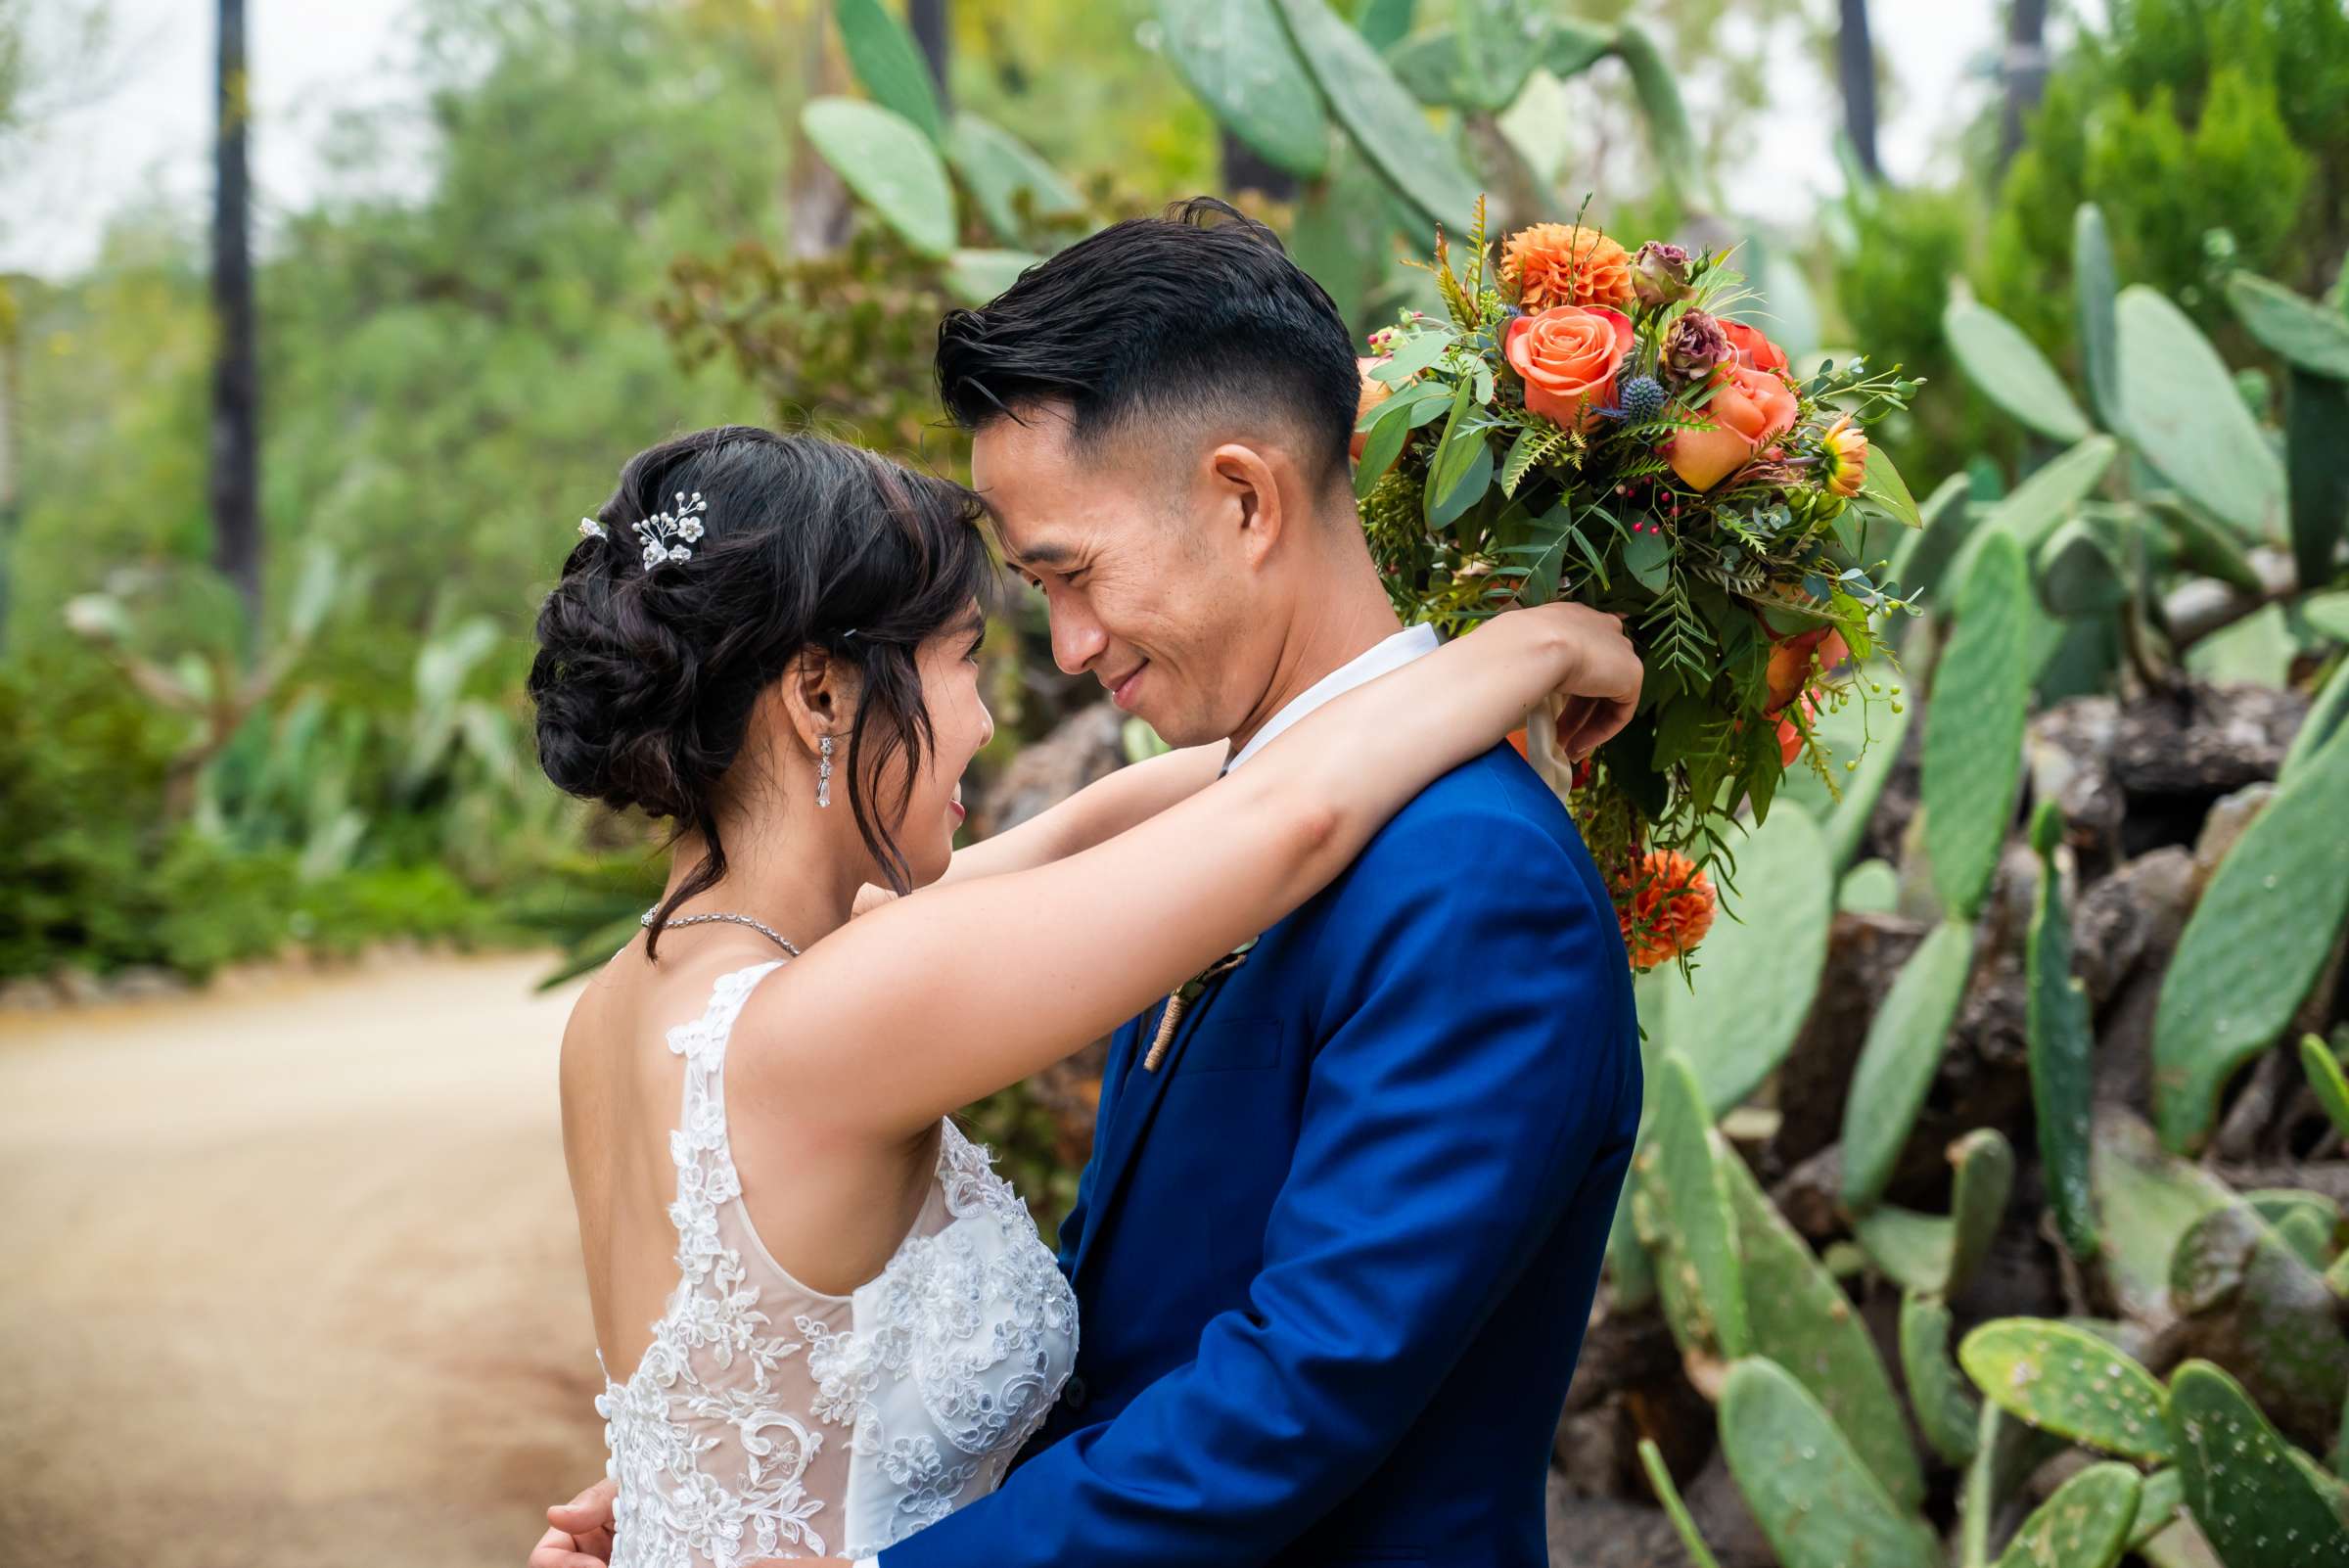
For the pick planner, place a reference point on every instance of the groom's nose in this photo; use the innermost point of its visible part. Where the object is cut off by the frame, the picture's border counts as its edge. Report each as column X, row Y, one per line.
column 1077, row 637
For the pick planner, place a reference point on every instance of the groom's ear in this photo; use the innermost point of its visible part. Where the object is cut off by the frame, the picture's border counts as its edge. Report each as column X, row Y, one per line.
column 1250, row 480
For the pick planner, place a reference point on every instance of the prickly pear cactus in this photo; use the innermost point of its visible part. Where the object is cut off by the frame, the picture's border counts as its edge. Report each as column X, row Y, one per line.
column 1659, row 1477
column 2240, row 972
column 2083, row 1525
column 2157, row 1503
column 1750, row 996
column 1683, row 1180
column 2147, row 1198
column 1947, row 1412
column 1818, row 1502
column 1799, row 1317
column 2254, row 1305
column 1904, row 1047
column 1984, row 1180
column 2324, row 1077
column 2256, row 1506
column 2067, row 1381
column 2062, row 1042
column 1974, row 755
column 1926, row 1252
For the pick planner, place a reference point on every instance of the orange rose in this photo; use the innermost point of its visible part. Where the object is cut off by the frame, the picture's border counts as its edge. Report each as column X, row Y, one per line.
column 1568, row 356
column 1373, row 393
column 1748, row 409
column 1791, row 657
column 1790, row 734
column 1754, row 351
column 1557, row 263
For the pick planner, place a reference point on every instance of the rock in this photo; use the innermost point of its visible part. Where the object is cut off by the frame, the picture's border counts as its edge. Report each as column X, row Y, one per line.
column 1609, row 1532
column 2173, row 755
column 1086, row 746
column 1811, row 1195
column 1594, row 1450
column 1864, row 951
column 1620, row 1350
column 146, row 984
column 2128, row 921
column 28, row 997
column 2069, row 748
column 77, row 987
column 1721, row 1518
column 2229, row 817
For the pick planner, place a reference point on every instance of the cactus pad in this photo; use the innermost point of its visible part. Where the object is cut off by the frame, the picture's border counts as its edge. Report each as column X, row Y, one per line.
column 1896, row 1066
column 2258, row 1509
column 2157, row 1503
column 1927, row 1253
column 1818, row 1502
column 1946, row 1410
column 2062, row 1042
column 1974, row 755
column 1754, row 990
column 2240, row 972
column 2083, row 1525
column 2324, row 1077
column 2256, row 1306
column 2067, row 1381
column 2146, row 1201
column 1691, row 1201
column 1799, row 1317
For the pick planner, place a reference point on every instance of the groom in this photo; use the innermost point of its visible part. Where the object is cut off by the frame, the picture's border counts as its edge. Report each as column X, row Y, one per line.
column 1342, row 1225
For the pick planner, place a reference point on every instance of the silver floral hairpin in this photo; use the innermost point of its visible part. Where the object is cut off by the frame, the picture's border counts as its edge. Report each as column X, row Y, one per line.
column 659, row 532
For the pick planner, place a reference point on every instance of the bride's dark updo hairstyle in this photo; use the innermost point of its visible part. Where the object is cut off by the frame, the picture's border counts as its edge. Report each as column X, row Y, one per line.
column 645, row 680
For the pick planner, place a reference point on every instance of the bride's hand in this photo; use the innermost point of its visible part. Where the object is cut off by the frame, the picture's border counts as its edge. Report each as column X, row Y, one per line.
column 1582, row 655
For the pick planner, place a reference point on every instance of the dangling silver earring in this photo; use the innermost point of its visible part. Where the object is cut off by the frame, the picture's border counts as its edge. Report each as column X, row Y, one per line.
column 823, row 773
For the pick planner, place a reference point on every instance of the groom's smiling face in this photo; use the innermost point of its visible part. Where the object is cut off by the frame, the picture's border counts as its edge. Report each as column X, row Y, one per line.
column 1151, row 554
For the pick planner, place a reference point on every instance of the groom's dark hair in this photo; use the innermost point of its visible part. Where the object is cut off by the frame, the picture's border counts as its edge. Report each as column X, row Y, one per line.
column 1188, row 312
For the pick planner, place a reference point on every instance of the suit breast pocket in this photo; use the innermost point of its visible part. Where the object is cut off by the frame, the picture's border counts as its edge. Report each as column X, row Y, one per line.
column 1232, row 1045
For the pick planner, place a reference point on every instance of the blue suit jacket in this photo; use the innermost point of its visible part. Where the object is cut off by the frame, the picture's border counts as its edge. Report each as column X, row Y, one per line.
column 1336, row 1254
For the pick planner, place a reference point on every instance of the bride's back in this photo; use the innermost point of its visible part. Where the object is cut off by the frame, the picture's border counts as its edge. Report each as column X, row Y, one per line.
column 760, row 1416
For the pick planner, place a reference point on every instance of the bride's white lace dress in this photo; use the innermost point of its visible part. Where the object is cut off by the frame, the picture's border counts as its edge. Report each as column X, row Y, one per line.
column 770, row 1420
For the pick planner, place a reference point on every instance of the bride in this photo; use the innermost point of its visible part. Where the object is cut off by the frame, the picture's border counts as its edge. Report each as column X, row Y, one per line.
column 824, row 1321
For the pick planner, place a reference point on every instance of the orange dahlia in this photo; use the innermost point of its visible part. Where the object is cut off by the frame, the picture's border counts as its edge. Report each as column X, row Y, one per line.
column 1843, row 457
column 1667, row 909
column 1558, row 264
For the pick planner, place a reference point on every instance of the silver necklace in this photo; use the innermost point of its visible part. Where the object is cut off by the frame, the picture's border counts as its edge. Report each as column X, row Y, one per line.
column 759, row 926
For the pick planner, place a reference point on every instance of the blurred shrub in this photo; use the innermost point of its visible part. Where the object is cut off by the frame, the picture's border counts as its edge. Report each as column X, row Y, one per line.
column 2182, row 118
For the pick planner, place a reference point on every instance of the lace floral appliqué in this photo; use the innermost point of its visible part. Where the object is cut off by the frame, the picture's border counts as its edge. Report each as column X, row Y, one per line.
column 930, row 1377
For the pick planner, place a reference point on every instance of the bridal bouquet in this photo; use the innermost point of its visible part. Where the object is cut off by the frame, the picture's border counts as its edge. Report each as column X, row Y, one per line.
column 1589, row 424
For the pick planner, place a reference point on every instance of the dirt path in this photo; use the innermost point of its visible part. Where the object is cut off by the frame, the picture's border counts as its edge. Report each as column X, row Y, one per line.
column 290, row 1277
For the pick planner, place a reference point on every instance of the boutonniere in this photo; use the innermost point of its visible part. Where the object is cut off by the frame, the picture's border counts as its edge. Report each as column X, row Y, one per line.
column 1189, row 992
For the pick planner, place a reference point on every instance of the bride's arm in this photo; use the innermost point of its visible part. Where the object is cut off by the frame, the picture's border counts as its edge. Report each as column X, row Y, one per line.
column 935, row 1002
column 1094, row 814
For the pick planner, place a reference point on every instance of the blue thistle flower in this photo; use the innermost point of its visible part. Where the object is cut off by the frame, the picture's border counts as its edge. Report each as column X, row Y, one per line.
column 1642, row 400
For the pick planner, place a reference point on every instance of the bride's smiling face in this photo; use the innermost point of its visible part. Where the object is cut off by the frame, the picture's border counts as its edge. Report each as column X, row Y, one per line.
column 960, row 726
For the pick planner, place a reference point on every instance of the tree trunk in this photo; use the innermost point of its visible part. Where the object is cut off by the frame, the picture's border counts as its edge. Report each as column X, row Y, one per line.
column 236, row 376
column 930, row 31
column 11, row 442
column 1855, row 67
column 821, row 213
column 2024, row 70
column 1243, row 171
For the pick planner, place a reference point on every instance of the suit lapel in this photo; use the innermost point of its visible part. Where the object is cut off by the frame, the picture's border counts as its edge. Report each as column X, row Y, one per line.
column 1130, row 1115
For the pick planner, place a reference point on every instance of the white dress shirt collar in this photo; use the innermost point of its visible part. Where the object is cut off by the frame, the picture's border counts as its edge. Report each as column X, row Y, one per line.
column 1411, row 642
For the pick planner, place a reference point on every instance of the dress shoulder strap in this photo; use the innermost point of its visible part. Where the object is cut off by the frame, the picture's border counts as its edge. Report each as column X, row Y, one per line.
column 706, row 1175
column 705, row 1038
